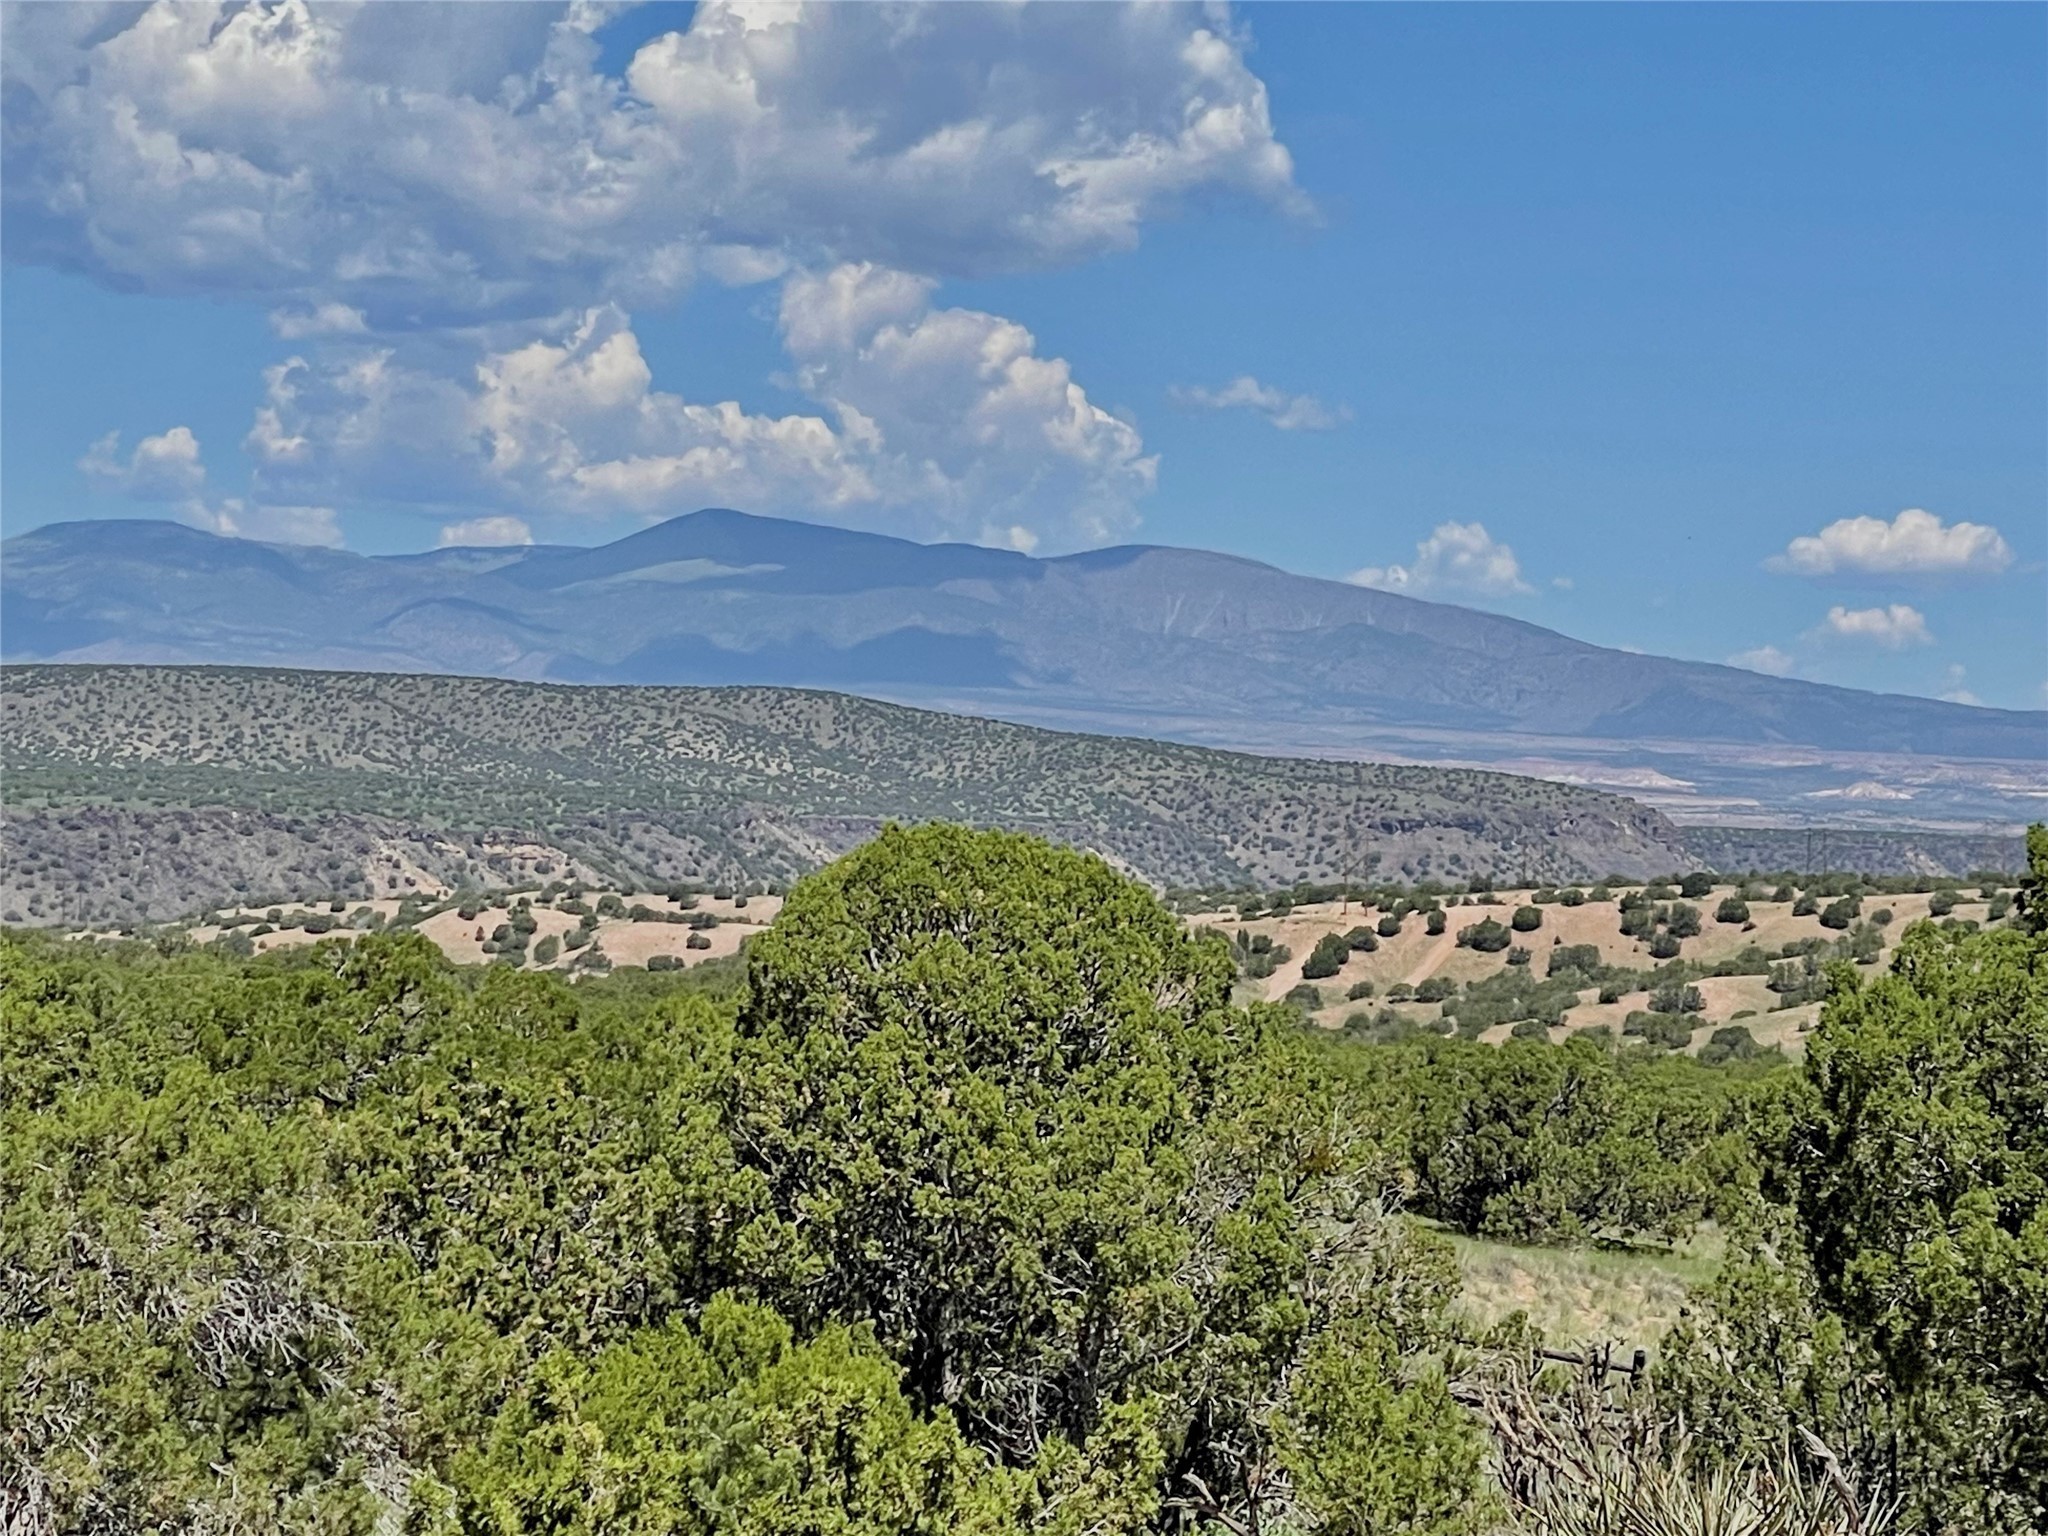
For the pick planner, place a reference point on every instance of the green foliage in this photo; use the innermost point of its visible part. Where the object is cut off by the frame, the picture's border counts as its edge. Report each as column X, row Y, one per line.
column 283, row 780
column 1486, row 936
column 733, row 1425
column 2030, row 900
column 980, row 1210
column 1542, row 1143
column 1897, row 1308
column 1733, row 909
column 1695, row 885
column 1256, row 955
column 1666, row 1031
column 1003, row 1117
column 1676, row 997
column 1584, row 959
column 1327, row 958
column 1731, row 1042
column 1527, row 919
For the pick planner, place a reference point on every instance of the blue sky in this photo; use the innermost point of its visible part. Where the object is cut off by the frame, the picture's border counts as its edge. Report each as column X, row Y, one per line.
column 1713, row 331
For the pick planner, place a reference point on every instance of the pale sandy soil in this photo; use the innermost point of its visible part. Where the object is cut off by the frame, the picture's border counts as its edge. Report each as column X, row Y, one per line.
column 1414, row 956
column 630, row 943
column 624, row 941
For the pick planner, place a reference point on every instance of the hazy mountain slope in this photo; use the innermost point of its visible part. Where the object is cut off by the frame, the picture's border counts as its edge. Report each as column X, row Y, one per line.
column 680, row 783
column 1139, row 637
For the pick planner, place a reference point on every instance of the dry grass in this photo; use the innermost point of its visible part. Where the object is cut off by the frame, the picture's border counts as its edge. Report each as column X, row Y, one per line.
column 1414, row 956
column 1585, row 1296
column 1582, row 1452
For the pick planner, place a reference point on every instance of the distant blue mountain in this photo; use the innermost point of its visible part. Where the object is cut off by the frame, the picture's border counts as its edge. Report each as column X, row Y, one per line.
column 1168, row 641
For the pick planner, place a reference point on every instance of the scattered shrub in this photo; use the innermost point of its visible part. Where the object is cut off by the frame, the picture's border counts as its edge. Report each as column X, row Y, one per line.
column 1582, row 958
column 1486, row 936
column 1731, row 1042
column 1671, row 1031
column 1327, row 958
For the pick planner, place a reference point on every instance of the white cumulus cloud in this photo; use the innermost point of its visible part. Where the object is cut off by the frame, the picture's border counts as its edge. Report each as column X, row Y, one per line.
column 240, row 519
column 1953, row 690
column 1290, row 413
column 484, row 532
column 947, row 420
column 317, row 320
column 1767, row 659
column 166, row 467
column 477, row 160
column 1894, row 627
column 170, row 467
column 1456, row 558
column 450, row 212
column 1915, row 543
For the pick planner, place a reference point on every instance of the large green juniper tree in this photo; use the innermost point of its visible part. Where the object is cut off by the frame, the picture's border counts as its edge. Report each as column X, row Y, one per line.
column 984, row 1211
column 1898, row 1304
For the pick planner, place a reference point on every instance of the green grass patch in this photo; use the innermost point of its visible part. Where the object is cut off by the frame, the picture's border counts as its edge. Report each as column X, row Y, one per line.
column 1585, row 1295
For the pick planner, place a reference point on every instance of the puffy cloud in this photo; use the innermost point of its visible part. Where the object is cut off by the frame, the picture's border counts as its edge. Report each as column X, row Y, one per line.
column 450, row 210
column 317, row 320
column 1290, row 413
column 484, row 532
column 166, row 467
column 1456, row 558
column 1894, row 627
column 239, row 519
column 1767, row 659
column 453, row 160
column 946, row 419
column 1953, row 690
column 958, row 412
column 1915, row 543
column 170, row 467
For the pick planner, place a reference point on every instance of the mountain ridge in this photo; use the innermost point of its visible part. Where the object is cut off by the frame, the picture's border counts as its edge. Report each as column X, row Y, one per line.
column 720, row 596
column 150, row 790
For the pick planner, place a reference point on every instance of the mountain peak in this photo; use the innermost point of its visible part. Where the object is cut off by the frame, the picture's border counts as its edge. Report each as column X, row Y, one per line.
column 1171, row 641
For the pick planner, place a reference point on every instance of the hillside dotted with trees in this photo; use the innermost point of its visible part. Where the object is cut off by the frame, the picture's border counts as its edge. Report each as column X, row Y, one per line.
column 970, row 1199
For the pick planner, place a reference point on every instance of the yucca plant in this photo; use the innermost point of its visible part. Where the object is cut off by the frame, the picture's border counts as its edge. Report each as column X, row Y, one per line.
column 1577, row 1456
